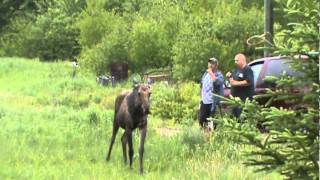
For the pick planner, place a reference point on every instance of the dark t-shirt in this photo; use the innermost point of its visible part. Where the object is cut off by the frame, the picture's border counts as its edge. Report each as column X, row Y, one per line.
column 243, row 91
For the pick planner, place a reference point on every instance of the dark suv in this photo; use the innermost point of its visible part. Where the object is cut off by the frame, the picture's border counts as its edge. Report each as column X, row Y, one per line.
column 270, row 66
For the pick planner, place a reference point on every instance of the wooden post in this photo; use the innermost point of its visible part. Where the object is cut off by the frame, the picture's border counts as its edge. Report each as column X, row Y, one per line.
column 268, row 24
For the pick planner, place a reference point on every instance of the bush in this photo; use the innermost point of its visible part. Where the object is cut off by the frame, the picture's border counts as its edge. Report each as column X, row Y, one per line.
column 54, row 37
column 191, row 52
column 94, row 23
column 149, row 46
column 181, row 102
column 104, row 38
column 48, row 36
column 221, row 33
column 112, row 48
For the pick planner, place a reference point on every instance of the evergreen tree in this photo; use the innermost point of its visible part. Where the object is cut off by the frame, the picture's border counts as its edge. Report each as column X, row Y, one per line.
column 291, row 146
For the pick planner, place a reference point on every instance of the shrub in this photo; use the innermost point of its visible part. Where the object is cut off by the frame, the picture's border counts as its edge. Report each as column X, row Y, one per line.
column 103, row 36
column 54, row 39
column 149, row 46
column 162, row 96
column 94, row 23
column 181, row 102
column 112, row 48
column 49, row 36
column 221, row 33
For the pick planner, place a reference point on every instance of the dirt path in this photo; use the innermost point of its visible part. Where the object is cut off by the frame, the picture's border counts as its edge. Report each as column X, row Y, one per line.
column 165, row 131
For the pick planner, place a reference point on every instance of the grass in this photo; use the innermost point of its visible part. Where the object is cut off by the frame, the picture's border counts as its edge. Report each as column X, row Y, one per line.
column 54, row 126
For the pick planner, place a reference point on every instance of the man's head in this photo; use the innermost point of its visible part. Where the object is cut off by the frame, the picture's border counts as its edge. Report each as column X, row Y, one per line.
column 240, row 60
column 213, row 63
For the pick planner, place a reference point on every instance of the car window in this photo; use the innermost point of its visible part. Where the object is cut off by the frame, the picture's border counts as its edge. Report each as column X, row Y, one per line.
column 256, row 68
column 278, row 67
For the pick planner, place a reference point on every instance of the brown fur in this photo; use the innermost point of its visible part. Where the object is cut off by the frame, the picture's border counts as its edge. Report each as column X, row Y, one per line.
column 131, row 111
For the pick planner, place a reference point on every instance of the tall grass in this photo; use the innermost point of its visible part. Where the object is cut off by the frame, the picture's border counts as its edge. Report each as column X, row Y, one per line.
column 54, row 126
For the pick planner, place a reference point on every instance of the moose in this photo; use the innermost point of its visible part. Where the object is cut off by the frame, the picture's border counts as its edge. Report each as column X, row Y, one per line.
column 131, row 111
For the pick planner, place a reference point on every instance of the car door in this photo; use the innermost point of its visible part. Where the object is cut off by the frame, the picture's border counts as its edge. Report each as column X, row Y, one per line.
column 276, row 68
column 257, row 68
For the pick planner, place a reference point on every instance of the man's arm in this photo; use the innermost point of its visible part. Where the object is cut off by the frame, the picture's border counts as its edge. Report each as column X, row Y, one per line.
column 239, row 83
column 248, row 79
column 220, row 79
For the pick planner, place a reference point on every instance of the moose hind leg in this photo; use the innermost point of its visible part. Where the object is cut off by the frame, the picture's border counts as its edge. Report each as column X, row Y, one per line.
column 114, row 133
column 124, row 146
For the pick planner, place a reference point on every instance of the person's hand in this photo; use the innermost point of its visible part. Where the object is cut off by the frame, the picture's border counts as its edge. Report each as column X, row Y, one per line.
column 232, row 81
column 228, row 75
column 212, row 74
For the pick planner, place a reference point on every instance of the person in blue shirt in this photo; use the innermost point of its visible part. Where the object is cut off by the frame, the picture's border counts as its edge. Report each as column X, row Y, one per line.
column 211, row 83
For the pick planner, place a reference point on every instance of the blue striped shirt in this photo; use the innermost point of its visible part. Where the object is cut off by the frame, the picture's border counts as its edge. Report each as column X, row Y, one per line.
column 209, row 87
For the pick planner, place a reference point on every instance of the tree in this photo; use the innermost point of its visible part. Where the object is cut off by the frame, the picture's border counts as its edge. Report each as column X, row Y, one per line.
column 10, row 9
column 292, row 145
column 220, row 32
column 42, row 29
column 149, row 45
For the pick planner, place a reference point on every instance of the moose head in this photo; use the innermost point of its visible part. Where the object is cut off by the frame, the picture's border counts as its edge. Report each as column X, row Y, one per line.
column 143, row 98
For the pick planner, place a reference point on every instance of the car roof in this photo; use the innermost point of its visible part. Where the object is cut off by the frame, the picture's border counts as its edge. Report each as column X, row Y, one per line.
column 267, row 59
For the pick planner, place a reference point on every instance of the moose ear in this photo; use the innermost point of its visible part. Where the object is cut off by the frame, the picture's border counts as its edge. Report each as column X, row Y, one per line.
column 135, row 86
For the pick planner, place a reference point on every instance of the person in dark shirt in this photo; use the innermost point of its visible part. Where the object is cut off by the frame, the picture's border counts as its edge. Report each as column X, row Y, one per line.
column 241, row 80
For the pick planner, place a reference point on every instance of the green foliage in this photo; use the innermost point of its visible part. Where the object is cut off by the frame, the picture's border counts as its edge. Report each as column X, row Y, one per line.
column 49, row 36
column 291, row 146
column 103, row 36
column 194, row 139
column 213, row 33
column 167, row 14
column 124, row 6
column 166, row 33
column 181, row 102
column 193, row 48
column 11, row 9
column 94, row 23
column 297, row 36
column 149, row 46
column 145, row 34
column 53, row 37
column 112, row 47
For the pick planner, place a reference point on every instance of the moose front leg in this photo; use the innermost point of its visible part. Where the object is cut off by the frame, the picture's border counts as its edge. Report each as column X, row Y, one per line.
column 113, row 137
column 143, row 133
column 124, row 146
column 130, row 145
